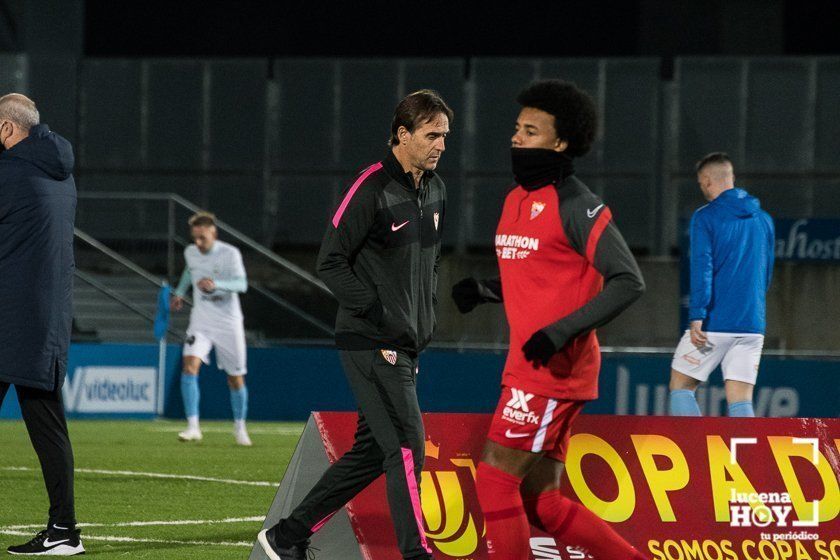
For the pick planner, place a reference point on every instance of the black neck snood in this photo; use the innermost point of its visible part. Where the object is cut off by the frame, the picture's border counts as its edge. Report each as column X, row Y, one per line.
column 536, row 167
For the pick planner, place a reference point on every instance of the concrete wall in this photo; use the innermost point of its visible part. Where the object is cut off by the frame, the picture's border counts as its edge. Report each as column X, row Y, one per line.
column 269, row 145
column 802, row 305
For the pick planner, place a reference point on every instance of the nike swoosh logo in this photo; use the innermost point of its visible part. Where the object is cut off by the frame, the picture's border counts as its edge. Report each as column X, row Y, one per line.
column 49, row 543
column 395, row 227
column 591, row 213
column 511, row 435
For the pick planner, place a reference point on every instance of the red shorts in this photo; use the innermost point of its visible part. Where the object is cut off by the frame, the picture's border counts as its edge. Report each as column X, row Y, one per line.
column 533, row 423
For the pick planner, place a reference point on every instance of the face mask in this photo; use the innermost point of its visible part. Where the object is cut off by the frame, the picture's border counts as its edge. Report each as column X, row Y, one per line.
column 537, row 167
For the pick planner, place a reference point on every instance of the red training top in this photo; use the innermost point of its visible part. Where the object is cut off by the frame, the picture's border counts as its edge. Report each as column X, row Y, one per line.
column 557, row 246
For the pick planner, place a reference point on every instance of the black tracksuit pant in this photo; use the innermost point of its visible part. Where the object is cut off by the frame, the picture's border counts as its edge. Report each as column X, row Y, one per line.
column 43, row 414
column 389, row 439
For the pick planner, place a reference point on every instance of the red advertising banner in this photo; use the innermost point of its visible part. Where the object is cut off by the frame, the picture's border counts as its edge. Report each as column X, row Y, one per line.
column 677, row 488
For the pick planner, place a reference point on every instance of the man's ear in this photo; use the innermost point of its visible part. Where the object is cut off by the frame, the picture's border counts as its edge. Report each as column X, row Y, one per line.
column 560, row 145
column 403, row 134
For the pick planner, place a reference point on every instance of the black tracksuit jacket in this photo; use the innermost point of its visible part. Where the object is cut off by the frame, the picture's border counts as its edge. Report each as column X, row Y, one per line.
column 380, row 257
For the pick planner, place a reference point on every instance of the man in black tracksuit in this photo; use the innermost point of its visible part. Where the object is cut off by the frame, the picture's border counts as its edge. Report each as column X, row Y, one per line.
column 380, row 258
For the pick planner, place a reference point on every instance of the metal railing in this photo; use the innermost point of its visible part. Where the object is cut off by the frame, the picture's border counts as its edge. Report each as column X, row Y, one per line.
column 105, row 250
column 133, row 267
column 173, row 202
column 125, row 302
column 173, row 199
column 278, row 300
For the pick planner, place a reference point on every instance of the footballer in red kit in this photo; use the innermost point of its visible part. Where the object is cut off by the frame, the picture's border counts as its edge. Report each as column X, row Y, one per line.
column 564, row 270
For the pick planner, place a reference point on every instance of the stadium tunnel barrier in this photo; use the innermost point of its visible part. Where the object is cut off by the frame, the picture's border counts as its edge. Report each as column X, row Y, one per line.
column 286, row 383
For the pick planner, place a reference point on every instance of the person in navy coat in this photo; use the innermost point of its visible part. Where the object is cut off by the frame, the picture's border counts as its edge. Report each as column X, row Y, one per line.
column 37, row 213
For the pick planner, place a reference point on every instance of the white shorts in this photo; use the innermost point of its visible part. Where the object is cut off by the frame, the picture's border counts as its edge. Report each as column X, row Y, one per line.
column 229, row 344
column 737, row 354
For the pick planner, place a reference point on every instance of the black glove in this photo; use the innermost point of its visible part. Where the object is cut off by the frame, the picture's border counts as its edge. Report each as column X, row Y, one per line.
column 466, row 295
column 539, row 349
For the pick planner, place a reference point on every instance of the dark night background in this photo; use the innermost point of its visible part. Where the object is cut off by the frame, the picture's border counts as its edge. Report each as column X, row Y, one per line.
column 262, row 110
column 437, row 28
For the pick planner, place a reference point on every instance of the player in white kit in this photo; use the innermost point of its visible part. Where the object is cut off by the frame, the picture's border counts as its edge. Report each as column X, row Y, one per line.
column 216, row 273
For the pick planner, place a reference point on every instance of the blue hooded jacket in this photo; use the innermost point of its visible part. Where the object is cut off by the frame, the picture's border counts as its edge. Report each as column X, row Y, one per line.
column 732, row 241
column 37, row 213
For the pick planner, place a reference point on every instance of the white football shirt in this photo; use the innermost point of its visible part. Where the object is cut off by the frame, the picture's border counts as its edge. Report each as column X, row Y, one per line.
column 220, row 308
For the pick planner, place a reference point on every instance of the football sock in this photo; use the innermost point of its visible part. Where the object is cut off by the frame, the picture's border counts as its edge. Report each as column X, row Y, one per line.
column 189, row 391
column 741, row 409
column 508, row 534
column 683, row 402
column 239, row 403
column 574, row 525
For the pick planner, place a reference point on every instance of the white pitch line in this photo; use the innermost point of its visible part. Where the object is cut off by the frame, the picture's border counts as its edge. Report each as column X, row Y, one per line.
column 159, row 475
column 147, row 523
column 133, row 540
column 223, row 430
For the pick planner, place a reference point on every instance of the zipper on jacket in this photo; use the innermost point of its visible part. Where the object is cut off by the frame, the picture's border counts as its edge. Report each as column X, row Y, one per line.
column 421, row 192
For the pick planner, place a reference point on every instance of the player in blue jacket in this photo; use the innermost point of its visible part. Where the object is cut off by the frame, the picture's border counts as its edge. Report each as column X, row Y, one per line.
column 732, row 243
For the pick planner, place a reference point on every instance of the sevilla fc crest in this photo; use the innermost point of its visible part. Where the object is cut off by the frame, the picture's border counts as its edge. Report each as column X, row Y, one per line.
column 537, row 208
column 437, row 219
column 390, row 356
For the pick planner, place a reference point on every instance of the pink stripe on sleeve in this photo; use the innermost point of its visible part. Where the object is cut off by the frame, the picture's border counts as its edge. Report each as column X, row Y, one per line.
column 408, row 461
column 337, row 218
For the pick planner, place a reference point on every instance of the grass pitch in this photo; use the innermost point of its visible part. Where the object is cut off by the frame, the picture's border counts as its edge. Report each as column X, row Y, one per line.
column 140, row 493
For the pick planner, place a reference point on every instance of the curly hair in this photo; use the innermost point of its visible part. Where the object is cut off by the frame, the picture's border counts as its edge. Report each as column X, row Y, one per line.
column 574, row 111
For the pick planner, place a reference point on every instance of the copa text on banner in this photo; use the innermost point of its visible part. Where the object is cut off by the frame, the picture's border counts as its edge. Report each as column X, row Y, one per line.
column 677, row 488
